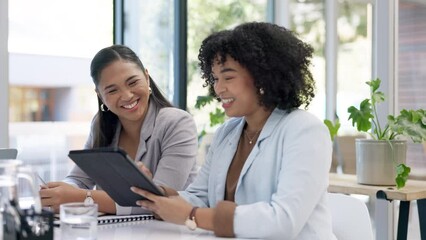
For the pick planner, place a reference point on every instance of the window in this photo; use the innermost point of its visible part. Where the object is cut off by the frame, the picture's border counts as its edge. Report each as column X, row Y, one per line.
column 412, row 72
column 353, row 53
column 149, row 31
column 354, row 59
column 307, row 20
column 52, row 98
column 31, row 104
column 202, row 21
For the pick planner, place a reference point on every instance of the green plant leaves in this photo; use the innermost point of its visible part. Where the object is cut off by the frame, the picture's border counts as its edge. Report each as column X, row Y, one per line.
column 376, row 96
column 332, row 128
column 374, row 84
column 201, row 135
column 411, row 123
column 402, row 172
column 203, row 101
column 361, row 117
column 217, row 117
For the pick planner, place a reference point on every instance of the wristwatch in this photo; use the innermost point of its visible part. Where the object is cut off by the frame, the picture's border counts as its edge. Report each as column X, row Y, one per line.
column 190, row 221
column 89, row 199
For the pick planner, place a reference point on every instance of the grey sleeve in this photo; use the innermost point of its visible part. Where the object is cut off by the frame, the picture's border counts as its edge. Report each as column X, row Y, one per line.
column 177, row 164
column 78, row 178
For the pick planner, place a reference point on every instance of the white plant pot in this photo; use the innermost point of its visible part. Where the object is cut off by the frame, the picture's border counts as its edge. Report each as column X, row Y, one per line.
column 376, row 161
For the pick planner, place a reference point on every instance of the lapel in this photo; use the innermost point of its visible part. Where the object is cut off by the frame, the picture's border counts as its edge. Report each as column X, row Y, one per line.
column 147, row 129
column 268, row 129
column 226, row 152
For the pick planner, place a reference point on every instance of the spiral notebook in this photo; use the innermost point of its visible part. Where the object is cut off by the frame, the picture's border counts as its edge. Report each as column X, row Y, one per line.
column 109, row 219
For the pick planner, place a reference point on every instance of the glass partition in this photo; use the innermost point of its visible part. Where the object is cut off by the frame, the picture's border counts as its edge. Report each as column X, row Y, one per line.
column 411, row 74
column 52, row 98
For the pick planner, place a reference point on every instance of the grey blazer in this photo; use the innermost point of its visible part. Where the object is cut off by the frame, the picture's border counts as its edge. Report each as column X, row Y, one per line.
column 168, row 148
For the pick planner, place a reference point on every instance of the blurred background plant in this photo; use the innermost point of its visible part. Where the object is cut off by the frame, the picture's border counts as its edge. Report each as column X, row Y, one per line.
column 216, row 117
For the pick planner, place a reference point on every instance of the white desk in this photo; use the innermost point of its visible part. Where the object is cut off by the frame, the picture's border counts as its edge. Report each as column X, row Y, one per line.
column 149, row 229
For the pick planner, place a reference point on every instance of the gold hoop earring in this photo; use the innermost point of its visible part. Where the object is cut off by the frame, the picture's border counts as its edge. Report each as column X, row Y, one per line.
column 261, row 91
column 150, row 90
column 104, row 108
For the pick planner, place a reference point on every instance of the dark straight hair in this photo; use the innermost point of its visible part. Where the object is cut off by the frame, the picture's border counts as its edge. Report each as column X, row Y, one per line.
column 106, row 122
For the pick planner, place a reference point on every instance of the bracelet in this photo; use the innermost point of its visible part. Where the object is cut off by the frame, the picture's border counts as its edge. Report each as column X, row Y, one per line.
column 192, row 214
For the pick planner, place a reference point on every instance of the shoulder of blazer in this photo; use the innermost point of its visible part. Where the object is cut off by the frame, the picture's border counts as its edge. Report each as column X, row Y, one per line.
column 226, row 130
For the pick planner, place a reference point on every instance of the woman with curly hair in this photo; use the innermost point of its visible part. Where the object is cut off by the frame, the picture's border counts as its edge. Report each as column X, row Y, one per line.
column 266, row 171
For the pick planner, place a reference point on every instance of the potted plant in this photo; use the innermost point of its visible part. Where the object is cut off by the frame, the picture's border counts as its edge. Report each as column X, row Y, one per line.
column 385, row 152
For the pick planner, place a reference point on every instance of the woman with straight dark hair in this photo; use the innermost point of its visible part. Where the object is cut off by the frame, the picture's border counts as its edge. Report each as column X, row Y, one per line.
column 135, row 116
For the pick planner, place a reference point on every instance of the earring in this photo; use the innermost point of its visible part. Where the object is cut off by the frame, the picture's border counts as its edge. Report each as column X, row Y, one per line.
column 261, row 91
column 104, row 108
column 150, row 90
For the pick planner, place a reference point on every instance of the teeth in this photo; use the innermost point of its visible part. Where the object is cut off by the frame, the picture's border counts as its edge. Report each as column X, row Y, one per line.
column 227, row 100
column 131, row 105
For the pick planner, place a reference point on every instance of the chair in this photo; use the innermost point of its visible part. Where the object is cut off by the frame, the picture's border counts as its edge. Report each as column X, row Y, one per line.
column 344, row 159
column 8, row 153
column 350, row 218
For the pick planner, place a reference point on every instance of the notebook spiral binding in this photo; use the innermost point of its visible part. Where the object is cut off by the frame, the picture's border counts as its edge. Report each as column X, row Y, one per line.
column 123, row 219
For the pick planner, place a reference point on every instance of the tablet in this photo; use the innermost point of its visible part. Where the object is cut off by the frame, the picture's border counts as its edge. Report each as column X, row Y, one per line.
column 8, row 153
column 114, row 171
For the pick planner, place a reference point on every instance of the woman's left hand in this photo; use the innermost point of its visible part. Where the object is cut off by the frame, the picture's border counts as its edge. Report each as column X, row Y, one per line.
column 172, row 209
column 144, row 169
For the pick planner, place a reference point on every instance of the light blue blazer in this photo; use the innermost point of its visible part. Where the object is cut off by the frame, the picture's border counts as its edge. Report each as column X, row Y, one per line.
column 282, row 189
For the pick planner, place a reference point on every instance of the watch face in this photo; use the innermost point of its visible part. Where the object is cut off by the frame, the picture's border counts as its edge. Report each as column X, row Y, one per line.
column 88, row 201
column 191, row 224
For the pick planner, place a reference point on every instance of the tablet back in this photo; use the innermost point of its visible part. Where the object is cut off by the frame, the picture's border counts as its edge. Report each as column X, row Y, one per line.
column 114, row 172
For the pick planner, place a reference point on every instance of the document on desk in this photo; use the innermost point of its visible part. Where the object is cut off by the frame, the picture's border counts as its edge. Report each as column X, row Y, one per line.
column 108, row 219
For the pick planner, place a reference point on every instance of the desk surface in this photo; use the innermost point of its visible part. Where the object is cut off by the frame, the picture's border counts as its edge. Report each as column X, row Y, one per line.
column 347, row 184
column 148, row 229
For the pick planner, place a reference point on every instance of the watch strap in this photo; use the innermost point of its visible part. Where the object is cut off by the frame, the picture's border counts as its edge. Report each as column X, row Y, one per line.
column 89, row 199
column 190, row 221
column 192, row 213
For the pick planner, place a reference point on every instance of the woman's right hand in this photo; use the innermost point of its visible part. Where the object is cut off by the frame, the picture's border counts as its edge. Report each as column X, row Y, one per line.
column 56, row 193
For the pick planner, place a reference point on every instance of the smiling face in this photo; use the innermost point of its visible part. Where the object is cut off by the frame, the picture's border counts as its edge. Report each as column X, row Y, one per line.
column 124, row 89
column 234, row 85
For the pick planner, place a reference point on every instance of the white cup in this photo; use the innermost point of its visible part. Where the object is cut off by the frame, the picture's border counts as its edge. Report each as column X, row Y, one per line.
column 79, row 221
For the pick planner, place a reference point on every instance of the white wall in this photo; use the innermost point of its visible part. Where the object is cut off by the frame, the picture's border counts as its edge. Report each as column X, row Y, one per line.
column 4, row 75
column 48, row 71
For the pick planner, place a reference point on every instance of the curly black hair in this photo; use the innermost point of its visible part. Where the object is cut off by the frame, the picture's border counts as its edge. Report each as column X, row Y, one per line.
column 277, row 60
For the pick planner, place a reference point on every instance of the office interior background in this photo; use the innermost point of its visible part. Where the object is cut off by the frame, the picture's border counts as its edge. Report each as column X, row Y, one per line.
column 47, row 97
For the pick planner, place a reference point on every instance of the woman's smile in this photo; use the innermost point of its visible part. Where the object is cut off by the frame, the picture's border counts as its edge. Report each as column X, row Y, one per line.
column 227, row 102
column 131, row 105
